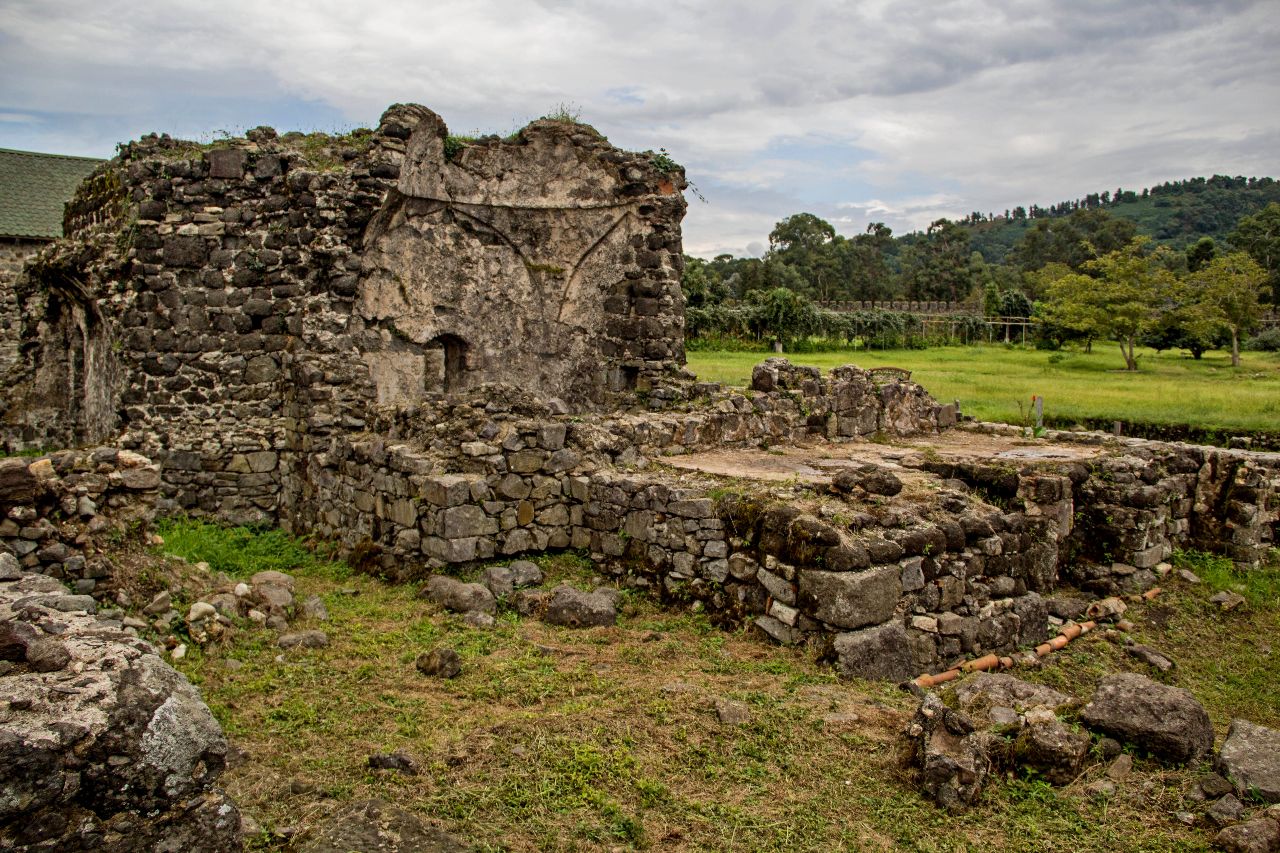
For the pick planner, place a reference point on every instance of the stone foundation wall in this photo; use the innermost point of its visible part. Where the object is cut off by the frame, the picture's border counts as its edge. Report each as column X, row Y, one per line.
column 56, row 509
column 887, row 586
column 1128, row 510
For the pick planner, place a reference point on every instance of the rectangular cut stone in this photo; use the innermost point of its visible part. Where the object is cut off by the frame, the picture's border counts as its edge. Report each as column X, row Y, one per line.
column 448, row 489
column 459, row 522
column 851, row 599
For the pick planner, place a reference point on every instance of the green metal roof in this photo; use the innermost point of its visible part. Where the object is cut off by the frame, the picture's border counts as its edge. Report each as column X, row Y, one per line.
column 33, row 189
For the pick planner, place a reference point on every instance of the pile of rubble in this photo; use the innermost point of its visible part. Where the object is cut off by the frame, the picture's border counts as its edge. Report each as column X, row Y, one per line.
column 993, row 722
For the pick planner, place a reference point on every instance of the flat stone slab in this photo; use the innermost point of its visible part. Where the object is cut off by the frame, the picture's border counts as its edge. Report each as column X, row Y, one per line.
column 820, row 463
column 1250, row 759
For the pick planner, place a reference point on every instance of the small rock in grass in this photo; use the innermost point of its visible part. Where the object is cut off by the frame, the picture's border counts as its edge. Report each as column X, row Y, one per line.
column 160, row 604
column 1214, row 786
column 476, row 619
column 1260, row 835
column 1226, row 811
column 453, row 594
column 399, row 762
column 440, row 662
column 1227, row 600
column 499, row 580
column 200, row 611
column 529, row 602
column 313, row 608
column 1102, row 789
column 271, row 577
column 1119, row 770
column 525, row 573
column 1150, row 656
column 732, row 713
column 1188, row 576
column 577, row 609
column 303, row 640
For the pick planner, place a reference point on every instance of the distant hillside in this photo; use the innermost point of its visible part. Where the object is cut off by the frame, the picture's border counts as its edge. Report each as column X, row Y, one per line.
column 1174, row 213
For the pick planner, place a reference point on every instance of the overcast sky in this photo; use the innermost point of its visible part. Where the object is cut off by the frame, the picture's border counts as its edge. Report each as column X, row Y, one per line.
column 900, row 112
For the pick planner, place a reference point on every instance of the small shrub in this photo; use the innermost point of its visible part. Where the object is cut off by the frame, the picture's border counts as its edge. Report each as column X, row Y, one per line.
column 1267, row 340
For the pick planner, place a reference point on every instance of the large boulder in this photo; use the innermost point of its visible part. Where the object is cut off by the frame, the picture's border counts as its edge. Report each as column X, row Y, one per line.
column 1166, row 721
column 952, row 756
column 1250, row 758
column 1054, row 750
column 1260, row 835
column 112, row 750
column 986, row 690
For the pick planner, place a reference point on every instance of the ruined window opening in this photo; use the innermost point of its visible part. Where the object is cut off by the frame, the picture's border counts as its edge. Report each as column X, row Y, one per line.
column 455, row 361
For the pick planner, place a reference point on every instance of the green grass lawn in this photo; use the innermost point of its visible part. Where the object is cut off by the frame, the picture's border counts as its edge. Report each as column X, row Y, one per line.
column 991, row 381
column 555, row 739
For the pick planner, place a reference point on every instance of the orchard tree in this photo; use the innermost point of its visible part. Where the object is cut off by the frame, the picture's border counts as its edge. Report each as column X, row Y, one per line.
column 1259, row 235
column 1226, row 298
column 1119, row 296
column 782, row 314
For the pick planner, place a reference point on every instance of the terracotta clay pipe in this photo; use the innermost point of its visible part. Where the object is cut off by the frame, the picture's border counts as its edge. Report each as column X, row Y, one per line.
column 1069, row 633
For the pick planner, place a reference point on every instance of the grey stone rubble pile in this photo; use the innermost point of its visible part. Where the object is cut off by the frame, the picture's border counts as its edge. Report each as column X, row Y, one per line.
column 103, row 746
column 993, row 722
column 55, row 510
column 266, row 600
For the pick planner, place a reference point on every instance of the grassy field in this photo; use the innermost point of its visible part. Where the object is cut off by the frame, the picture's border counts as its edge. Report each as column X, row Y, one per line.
column 991, row 381
column 555, row 739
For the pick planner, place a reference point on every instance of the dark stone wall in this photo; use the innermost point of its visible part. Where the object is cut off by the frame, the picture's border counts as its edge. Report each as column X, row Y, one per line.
column 220, row 308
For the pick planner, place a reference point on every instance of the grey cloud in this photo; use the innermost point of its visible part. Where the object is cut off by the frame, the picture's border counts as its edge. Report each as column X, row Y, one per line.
column 990, row 102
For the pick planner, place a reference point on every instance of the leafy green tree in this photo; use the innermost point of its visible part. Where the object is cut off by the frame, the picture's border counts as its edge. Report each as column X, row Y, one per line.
column 1200, row 253
column 866, row 263
column 1259, row 235
column 1120, row 296
column 782, row 314
column 809, row 245
column 1226, row 298
column 938, row 267
column 702, row 283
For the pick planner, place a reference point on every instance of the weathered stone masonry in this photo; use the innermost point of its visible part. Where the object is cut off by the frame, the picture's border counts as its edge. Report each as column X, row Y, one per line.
column 439, row 352
column 225, row 307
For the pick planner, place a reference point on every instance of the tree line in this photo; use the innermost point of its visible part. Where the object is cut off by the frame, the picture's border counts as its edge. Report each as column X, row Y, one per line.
column 1077, row 274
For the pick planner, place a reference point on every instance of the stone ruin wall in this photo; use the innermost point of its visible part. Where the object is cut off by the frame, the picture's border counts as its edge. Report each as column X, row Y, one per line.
column 885, row 587
column 14, row 253
column 439, row 355
column 223, row 308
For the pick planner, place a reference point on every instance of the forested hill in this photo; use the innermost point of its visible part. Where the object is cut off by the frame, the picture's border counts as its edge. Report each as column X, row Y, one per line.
column 1175, row 213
